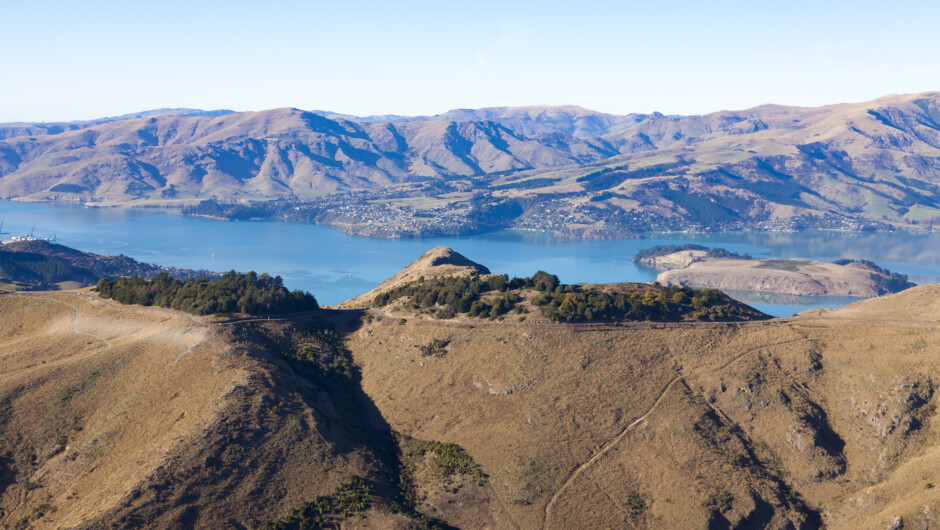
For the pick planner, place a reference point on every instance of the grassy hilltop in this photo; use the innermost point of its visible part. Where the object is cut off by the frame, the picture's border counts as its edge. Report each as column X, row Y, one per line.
column 390, row 417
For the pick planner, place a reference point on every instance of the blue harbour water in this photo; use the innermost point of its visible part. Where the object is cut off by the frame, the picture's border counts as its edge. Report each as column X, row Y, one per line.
column 336, row 267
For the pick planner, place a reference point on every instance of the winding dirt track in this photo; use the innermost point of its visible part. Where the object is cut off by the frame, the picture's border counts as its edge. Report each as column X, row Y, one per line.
column 616, row 439
column 107, row 343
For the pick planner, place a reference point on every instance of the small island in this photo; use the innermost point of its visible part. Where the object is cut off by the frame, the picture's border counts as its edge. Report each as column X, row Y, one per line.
column 701, row 267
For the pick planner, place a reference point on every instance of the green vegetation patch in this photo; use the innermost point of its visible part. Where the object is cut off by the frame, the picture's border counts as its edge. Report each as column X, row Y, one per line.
column 446, row 460
column 68, row 188
column 781, row 265
column 665, row 250
column 33, row 270
column 476, row 296
column 324, row 348
column 636, row 507
column 435, row 348
column 326, row 511
column 495, row 295
column 526, row 184
column 611, row 177
column 674, row 303
column 233, row 292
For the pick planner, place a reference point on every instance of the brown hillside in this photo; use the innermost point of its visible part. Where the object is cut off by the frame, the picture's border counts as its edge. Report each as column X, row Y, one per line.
column 122, row 415
column 274, row 153
column 118, row 416
column 789, row 423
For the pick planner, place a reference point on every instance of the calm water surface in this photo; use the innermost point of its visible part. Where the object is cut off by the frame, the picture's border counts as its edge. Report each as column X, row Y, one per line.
column 336, row 267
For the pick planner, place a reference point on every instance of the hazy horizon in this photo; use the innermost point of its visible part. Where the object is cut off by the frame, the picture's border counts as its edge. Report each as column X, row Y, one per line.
column 97, row 59
column 334, row 111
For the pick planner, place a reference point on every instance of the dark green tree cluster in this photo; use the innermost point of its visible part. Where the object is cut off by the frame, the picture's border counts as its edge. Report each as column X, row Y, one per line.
column 326, row 511
column 665, row 250
column 210, row 208
column 451, row 295
column 492, row 296
column 232, row 292
column 569, row 304
column 448, row 459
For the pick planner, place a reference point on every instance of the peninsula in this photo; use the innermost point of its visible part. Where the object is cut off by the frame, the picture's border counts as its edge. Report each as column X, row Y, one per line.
column 700, row 267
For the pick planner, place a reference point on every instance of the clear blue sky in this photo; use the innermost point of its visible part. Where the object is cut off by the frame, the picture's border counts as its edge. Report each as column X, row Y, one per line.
column 78, row 60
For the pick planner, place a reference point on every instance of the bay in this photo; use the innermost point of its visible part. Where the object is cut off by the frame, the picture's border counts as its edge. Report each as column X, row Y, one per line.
column 336, row 267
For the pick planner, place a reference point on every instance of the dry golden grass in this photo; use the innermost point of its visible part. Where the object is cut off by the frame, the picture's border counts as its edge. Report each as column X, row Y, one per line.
column 173, row 424
column 826, row 418
column 766, row 424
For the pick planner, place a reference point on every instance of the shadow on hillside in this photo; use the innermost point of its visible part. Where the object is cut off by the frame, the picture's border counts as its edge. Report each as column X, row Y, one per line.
column 7, row 474
column 350, row 401
column 341, row 381
column 354, row 424
column 366, row 424
column 306, row 413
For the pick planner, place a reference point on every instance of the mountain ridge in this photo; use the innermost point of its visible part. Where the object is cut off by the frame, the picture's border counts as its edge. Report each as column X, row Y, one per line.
column 863, row 164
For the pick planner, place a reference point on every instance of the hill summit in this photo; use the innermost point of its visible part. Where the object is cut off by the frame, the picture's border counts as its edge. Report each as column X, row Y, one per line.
column 437, row 262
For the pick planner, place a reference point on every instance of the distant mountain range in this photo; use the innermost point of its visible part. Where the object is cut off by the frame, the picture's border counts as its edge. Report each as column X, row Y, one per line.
column 14, row 129
column 875, row 162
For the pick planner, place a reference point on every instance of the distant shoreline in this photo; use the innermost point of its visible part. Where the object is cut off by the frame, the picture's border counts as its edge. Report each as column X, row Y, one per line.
column 374, row 231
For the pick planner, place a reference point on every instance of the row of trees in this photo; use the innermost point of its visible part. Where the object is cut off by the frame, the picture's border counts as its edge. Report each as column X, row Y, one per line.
column 495, row 295
column 232, row 292
column 653, row 303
